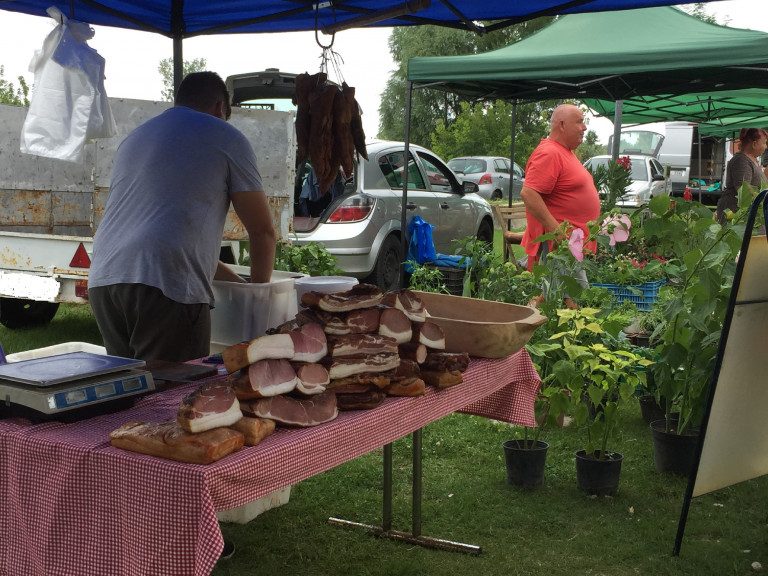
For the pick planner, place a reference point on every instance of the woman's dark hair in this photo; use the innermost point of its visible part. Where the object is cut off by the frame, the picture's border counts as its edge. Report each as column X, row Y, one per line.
column 201, row 90
column 751, row 134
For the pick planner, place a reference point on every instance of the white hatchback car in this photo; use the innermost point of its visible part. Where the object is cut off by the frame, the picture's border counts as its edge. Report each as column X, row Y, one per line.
column 491, row 174
column 647, row 175
column 359, row 221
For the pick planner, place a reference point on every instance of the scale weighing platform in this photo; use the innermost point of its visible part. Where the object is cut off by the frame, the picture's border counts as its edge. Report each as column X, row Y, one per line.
column 76, row 383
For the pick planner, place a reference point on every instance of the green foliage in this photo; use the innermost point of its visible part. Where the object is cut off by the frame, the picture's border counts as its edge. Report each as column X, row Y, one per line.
column 313, row 259
column 166, row 71
column 612, row 182
column 427, row 279
column 590, row 147
column 695, row 307
column 9, row 94
column 429, row 106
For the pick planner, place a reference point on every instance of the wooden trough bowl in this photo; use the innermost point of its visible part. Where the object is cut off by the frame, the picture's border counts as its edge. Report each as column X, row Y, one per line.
column 481, row 328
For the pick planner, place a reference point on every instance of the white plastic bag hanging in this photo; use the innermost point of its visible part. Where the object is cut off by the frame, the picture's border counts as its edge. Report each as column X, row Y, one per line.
column 69, row 104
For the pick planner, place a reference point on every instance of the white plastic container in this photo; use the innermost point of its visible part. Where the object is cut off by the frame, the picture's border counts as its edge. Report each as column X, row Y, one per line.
column 324, row 284
column 247, row 311
column 56, row 349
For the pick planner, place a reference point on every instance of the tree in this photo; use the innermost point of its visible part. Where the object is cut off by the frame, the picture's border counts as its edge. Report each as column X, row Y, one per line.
column 590, row 147
column 9, row 94
column 429, row 107
column 166, row 71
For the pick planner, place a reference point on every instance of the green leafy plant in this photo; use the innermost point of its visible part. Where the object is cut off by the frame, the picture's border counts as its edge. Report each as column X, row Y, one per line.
column 313, row 259
column 612, row 181
column 427, row 279
column 586, row 358
column 695, row 308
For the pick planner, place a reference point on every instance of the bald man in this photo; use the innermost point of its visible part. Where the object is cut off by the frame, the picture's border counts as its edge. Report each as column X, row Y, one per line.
column 557, row 187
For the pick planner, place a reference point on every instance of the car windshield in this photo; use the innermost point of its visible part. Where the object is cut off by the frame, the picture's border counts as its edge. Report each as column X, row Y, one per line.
column 467, row 165
column 639, row 170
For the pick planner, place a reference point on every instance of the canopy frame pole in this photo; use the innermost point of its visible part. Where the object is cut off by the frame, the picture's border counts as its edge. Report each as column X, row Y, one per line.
column 177, row 29
column 512, row 156
column 617, row 113
column 403, row 209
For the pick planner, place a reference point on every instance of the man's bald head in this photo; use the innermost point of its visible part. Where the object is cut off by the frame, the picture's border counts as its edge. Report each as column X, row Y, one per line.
column 567, row 126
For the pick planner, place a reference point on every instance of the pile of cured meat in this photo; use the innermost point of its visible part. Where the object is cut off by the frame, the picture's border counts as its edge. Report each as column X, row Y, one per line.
column 344, row 351
column 329, row 129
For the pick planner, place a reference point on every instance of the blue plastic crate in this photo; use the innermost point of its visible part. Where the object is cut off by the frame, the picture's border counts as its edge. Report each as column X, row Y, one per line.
column 647, row 294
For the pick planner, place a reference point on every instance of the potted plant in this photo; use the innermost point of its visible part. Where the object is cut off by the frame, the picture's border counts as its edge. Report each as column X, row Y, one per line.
column 700, row 282
column 525, row 457
column 587, row 358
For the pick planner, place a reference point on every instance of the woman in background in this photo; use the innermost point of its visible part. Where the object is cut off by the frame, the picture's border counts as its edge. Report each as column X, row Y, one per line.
column 744, row 167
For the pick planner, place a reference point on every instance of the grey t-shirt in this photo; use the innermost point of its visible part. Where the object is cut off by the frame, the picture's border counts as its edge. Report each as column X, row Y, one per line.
column 171, row 187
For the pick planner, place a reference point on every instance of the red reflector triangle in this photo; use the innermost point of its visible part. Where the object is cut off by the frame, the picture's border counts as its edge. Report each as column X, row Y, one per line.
column 81, row 259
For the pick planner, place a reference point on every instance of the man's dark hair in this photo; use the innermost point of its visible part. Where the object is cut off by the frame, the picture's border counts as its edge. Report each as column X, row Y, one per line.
column 201, row 90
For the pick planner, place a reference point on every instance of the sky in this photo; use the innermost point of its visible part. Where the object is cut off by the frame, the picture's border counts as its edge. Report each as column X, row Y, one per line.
column 362, row 56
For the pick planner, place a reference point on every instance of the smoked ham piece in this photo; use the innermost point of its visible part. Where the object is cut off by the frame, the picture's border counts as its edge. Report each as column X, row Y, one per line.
column 446, row 361
column 408, row 302
column 170, row 440
column 309, row 344
column 291, row 411
column 395, row 324
column 344, row 107
column 442, row 378
column 269, row 346
column 361, row 400
column 407, row 387
column 364, row 380
column 311, row 379
column 359, row 296
column 415, row 351
column 264, row 378
column 211, row 405
column 254, row 430
column 321, row 135
column 343, row 367
column 360, row 345
column 429, row 334
column 305, row 85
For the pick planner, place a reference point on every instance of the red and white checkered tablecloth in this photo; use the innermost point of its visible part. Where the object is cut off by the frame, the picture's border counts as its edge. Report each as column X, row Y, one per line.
column 75, row 505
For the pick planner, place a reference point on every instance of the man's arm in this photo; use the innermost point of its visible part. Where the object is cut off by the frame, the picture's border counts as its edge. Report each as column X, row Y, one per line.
column 253, row 210
column 534, row 204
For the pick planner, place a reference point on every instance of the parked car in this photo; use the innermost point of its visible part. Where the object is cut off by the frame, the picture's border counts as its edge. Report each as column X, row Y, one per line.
column 491, row 174
column 360, row 222
column 647, row 175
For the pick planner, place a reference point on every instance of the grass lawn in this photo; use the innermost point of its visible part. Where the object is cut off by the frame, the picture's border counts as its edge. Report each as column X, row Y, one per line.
column 554, row 530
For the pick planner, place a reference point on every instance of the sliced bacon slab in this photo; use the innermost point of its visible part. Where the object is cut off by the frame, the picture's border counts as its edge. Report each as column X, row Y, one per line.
column 309, row 343
column 264, row 378
column 407, row 387
column 343, row 367
column 364, row 379
column 429, row 334
column 360, row 345
column 211, row 405
column 408, row 302
column 362, row 321
column 446, row 361
column 395, row 324
column 311, row 378
column 291, row 411
column 359, row 296
column 361, row 401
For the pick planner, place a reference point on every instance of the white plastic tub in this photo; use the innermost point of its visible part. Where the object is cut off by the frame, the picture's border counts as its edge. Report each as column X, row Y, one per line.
column 324, row 284
column 246, row 311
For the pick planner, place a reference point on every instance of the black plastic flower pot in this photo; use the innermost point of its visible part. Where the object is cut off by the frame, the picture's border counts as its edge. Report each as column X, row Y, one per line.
column 650, row 409
column 525, row 465
column 598, row 477
column 673, row 453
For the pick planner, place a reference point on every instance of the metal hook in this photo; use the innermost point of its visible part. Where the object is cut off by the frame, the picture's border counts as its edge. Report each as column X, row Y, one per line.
column 317, row 38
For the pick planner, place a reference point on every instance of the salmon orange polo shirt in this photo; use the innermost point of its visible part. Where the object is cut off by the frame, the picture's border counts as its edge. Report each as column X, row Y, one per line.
column 567, row 189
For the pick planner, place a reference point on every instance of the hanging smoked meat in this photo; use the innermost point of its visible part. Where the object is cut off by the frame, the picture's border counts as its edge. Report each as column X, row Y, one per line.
column 321, row 135
column 305, row 87
column 343, row 144
column 358, row 136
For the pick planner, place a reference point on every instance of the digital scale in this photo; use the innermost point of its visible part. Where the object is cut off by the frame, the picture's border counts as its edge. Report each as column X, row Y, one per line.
column 79, row 383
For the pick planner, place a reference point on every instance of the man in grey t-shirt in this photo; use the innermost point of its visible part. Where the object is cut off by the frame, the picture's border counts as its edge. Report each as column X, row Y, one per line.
column 156, row 249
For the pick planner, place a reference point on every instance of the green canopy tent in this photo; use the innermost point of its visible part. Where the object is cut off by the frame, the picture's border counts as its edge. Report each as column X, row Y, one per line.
column 629, row 55
column 607, row 55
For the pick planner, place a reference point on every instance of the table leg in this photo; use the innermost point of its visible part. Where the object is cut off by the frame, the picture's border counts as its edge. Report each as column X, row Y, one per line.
column 415, row 537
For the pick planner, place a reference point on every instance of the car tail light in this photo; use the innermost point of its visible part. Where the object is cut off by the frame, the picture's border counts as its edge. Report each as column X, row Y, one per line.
column 486, row 179
column 353, row 209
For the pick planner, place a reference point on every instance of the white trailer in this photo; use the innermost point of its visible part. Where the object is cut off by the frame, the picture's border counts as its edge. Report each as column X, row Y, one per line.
column 50, row 209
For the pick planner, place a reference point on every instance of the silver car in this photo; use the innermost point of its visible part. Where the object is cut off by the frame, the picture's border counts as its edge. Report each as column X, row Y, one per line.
column 359, row 220
column 647, row 176
column 491, row 174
